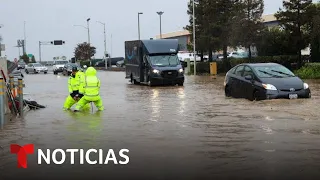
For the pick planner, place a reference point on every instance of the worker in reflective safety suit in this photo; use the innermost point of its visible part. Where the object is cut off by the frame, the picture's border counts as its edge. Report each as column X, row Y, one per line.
column 74, row 82
column 90, row 90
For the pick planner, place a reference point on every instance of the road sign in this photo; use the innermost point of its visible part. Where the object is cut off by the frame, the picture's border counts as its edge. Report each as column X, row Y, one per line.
column 30, row 55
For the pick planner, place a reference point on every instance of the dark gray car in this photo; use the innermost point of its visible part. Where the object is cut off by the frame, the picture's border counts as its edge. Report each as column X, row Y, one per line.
column 264, row 81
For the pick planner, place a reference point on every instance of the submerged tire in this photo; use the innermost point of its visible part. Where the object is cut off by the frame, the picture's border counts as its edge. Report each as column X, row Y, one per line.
column 227, row 91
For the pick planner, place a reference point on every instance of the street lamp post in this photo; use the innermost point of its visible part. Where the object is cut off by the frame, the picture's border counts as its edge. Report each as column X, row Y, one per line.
column 160, row 14
column 139, row 24
column 105, row 41
column 0, row 40
column 88, row 30
column 194, row 40
column 25, row 38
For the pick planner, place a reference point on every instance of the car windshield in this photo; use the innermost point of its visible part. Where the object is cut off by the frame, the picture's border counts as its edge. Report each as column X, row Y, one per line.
column 61, row 62
column 165, row 60
column 37, row 65
column 276, row 71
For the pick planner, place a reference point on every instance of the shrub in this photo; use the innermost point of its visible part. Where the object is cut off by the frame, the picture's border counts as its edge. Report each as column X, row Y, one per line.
column 309, row 71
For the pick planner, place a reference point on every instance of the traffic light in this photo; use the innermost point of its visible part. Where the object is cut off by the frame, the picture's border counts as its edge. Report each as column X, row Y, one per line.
column 57, row 42
column 73, row 60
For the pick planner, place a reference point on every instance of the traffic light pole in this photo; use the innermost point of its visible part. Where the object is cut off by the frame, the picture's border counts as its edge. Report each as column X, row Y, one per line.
column 56, row 42
column 40, row 51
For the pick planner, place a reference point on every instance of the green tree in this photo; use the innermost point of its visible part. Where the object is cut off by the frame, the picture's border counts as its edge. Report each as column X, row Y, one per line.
column 200, row 25
column 225, row 12
column 274, row 42
column 294, row 18
column 314, row 13
column 248, row 25
column 25, row 58
column 84, row 51
column 33, row 59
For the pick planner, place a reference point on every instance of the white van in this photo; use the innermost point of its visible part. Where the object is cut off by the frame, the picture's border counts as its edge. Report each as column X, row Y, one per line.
column 183, row 55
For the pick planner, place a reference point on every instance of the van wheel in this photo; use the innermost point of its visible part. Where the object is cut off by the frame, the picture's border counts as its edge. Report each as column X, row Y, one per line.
column 133, row 81
column 180, row 84
column 150, row 83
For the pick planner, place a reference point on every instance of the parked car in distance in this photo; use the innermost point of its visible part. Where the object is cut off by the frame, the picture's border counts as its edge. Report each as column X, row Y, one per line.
column 120, row 63
column 264, row 81
column 21, row 65
column 113, row 62
column 58, row 66
column 17, row 74
column 67, row 69
column 36, row 68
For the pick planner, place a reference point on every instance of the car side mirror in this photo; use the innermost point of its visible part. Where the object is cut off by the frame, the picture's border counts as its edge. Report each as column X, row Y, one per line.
column 248, row 77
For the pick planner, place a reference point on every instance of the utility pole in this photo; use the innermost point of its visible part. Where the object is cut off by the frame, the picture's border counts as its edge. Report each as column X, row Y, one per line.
column 89, row 41
column 194, row 41
column 40, row 51
column 139, row 24
column 88, row 30
column 160, row 14
column 105, row 38
column 0, row 41
column 25, row 38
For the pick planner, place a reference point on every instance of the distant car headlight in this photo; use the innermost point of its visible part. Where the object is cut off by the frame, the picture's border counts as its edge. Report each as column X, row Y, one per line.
column 305, row 86
column 181, row 70
column 269, row 87
column 156, row 71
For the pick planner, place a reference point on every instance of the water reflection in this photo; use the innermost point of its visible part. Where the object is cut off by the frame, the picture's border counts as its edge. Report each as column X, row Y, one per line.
column 155, row 105
column 85, row 129
column 181, row 96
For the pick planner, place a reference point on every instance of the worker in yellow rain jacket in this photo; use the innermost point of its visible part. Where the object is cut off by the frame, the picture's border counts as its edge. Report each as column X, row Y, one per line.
column 90, row 90
column 74, row 82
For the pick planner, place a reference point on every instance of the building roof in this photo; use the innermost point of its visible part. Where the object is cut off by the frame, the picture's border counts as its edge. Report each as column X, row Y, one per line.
column 268, row 18
column 174, row 34
column 265, row 18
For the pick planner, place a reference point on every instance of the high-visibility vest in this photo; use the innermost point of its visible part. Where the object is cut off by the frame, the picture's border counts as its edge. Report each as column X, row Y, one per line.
column 91, row 86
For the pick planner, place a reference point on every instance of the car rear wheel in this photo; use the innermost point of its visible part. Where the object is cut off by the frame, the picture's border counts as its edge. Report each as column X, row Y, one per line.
column 27, row 71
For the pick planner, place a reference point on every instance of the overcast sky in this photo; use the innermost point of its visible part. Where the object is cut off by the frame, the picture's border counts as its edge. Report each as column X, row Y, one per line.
column 48, row 20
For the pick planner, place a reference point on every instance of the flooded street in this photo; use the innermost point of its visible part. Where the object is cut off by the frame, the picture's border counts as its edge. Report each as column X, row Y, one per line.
column 190, row 132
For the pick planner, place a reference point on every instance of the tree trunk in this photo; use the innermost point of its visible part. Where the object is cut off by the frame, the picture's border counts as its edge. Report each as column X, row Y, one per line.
column 210, row 55
column 201, row 55
column 225, row 57
column 225, row 52
column 249, row 55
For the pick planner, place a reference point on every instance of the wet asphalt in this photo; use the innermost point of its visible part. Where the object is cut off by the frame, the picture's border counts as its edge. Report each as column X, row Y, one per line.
column 190, row 132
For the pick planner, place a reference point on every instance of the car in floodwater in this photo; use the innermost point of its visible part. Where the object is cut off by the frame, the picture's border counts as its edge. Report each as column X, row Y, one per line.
column 36, row 68
column 67, row 69
column 262, row 81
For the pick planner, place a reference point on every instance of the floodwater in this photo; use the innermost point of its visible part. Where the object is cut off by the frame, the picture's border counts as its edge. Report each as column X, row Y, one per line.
column 190, row 132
